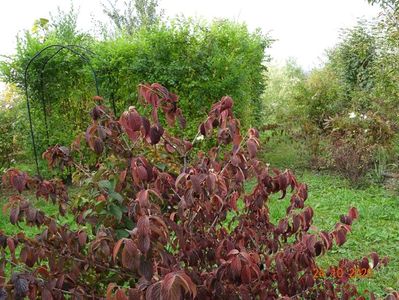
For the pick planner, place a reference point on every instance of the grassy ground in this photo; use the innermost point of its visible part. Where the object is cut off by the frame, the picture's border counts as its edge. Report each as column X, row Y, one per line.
column 376, row 230
column 47, row 207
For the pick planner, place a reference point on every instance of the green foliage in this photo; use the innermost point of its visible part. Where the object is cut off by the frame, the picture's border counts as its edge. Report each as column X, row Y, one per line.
column 285, row 85
column 353, row 59
column 345, row 81
column 354, row 76
column 8, row 142
column 12, row 128
column 200, row 61
column 387, row 4
column 62, row 85
column 134, row 15
column 280, row 150
column 387, row 65
column 360, row 77
column 356, row 142
column 323, row 98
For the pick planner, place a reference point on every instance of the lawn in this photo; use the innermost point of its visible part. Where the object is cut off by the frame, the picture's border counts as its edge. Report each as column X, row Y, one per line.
column 376, row 230
column 45, row 206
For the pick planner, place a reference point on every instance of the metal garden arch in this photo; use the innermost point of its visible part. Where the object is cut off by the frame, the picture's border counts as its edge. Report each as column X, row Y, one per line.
column 83, row 54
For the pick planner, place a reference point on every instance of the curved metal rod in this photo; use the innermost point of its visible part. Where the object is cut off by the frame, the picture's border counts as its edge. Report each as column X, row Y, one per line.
column 112, row 96
column 84, row 57
column 44, row 110
column 60, row 47
column 42, row 95
column 80, row 55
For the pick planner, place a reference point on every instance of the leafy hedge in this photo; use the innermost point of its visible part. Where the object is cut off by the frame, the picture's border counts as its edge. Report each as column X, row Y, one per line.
column 12, row 126
column 199, row 61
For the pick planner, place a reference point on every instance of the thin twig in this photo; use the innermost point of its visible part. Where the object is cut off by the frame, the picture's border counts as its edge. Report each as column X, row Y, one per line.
column 238, row 149
column 42, row 281
column 217, row 216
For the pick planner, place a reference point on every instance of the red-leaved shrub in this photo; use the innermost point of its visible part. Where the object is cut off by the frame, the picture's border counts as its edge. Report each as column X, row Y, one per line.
column 145, row 230
column 354, row 142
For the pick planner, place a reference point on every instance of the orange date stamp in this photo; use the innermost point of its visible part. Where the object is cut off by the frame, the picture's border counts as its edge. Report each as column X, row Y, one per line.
column 340, row 273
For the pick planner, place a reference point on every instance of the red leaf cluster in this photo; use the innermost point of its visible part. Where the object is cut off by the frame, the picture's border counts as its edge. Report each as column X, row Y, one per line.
column 16, row 179
column 58, row 155
column 158, row 96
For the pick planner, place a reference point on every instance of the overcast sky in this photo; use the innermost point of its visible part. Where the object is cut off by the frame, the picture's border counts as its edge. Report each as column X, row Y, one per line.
column 303, row 28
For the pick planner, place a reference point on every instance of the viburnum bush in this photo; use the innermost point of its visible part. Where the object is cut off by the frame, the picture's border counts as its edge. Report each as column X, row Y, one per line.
column 355, row 140
column 156, row 220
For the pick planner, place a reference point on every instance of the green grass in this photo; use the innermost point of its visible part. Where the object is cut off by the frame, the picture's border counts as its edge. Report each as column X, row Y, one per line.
column 46, row 206
column 377, row 229
column 281, row 151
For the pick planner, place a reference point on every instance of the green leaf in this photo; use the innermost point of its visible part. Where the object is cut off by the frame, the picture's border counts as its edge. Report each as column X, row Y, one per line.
column 115, row 211
column 121, row 233
column 116, row 196
column 161, row 166
column 100, row 205
column 105, row 184
column 128, row 223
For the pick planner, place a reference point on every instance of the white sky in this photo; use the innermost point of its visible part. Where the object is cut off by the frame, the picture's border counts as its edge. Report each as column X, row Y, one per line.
column 303, row 28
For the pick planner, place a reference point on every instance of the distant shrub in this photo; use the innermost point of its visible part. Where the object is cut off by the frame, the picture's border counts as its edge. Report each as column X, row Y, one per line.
column 323, row 97
column 359, row 75
column 12, row 129
column 284, row 86
column 7, row 142
column 355, row 140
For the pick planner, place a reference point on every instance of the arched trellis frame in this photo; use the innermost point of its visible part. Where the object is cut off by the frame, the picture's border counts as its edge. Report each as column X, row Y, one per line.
column 83, row 54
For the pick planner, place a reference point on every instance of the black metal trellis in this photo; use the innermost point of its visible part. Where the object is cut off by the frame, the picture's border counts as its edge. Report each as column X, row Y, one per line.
column 80, row 52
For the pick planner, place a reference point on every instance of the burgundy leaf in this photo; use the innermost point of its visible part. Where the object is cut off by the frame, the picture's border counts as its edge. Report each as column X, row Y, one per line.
column 155, row 134
column 134, row 119
column 353, row 213
column 14, row 214
column 98, row 145
column 252, row 148
column 340, row 236
column 143, row 231
column 375, row 258
column 174, row 284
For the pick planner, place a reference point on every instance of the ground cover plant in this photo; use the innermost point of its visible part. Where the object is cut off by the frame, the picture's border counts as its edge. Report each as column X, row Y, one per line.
column 155, row 219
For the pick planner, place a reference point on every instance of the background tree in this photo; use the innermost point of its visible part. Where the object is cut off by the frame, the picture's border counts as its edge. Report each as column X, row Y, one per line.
column 133, row 14
column 387, row 4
